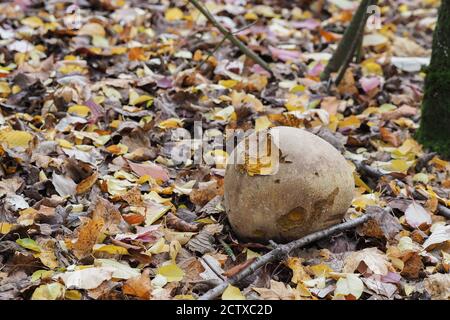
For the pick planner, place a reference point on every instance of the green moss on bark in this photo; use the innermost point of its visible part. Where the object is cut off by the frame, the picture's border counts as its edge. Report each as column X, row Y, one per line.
column 434, row 131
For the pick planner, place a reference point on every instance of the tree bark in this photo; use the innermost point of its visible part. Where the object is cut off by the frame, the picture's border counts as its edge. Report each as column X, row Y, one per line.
column 434, row 131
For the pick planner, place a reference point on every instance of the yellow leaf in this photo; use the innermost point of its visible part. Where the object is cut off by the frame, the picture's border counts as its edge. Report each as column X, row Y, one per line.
column 360, row 183
column 251, row 254
column 387, row 107
column 135, row 99
column 298, row 271
column 32, row 22
column 228, row 83
column 155, row 212
column 440, row 164
column 50, row 291
column 399, row 165
column 92, row 29
column 159, row 247
column 173, row 14
column 63, row 143
column 350, row 285
column 111, row 249
column 73, row 295
column 15, row 138
column 370, row 67
column 232, row 293
column 297, row 103
column 79, row 110
column 298, row 88
column 41, row 274
column 4, row 88
column 262, row 123
column 48, row 259
column 321, row 270
column 224, row 114
column 171, row 272
column 365, row 200
column 352, row 122
column 250, row 16
column 171, row 123
column 29, row 244
column 421, row 177
column 69, row 68
column 184, row 297
column 5, row 227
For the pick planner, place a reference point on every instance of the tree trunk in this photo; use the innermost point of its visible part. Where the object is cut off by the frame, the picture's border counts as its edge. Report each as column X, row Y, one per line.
column 434, row 131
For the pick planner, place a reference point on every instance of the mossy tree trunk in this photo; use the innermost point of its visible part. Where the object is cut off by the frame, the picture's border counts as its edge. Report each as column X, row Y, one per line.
column 434, row 131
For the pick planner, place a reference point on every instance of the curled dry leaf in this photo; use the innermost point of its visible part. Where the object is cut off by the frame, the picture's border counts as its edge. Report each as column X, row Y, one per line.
column 86, row 184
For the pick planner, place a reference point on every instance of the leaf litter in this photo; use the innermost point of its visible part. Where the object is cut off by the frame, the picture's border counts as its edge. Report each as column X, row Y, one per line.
column 96, row 204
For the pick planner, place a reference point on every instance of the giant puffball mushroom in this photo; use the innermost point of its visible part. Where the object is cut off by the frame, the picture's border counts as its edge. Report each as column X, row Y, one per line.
column 302, row 185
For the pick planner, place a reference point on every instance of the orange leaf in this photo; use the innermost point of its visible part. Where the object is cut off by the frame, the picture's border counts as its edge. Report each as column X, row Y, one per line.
column 140, row 286
column 390, row 137
column 136, row 54
column 86, row 184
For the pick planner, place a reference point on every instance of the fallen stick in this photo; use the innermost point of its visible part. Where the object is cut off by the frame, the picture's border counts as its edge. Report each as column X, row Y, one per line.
column 374, row 173
column 279, row 253
column 245, row 50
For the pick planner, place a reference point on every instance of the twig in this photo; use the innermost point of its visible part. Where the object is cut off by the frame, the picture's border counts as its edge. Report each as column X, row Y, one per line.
column 220, row 44
column 279, row 253
column 247, row 51
column 349, row 43
column 423, row 161
column 374, row 173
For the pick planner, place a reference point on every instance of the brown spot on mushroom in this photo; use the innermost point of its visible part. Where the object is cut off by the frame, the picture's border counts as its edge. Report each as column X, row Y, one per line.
column 292, row 219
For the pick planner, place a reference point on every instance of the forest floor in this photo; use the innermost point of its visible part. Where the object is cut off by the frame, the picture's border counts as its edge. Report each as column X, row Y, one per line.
column 95, row 204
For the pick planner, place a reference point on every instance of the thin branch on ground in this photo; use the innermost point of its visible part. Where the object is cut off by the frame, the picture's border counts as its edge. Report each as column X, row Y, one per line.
column 244, row 49
column 374, row 173
column 279, row 253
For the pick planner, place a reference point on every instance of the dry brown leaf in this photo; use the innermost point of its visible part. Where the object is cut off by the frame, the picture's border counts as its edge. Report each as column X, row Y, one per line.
column 372, row 258
column 403, row 111
column 140, row 286
column 278, row 291
column 88, row 234
column 86, row 184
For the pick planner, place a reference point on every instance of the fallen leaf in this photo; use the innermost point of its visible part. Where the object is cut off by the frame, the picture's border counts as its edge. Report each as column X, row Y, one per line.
column 416, row 215
column 440, row 235
column 374, row 260
column 89, row 278
column 171, row 272
column 51, row 291
column 349, row 285
column 140, row 286
column 232, row 293
column 64, row 185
